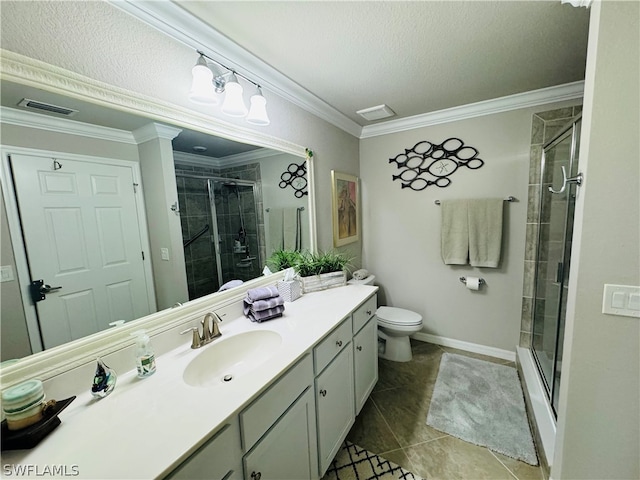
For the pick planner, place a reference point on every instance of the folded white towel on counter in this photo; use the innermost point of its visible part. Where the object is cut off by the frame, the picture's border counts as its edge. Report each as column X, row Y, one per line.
column 360, row 274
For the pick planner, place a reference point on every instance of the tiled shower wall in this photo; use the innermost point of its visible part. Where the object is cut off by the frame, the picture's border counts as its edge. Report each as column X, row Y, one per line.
column 545, row 125
column 195, row 213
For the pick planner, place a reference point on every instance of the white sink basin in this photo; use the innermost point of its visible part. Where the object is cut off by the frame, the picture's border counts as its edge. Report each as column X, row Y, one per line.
column 227, row 359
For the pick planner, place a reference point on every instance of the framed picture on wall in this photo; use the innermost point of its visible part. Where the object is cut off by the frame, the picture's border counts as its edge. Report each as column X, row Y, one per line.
column 345, row 208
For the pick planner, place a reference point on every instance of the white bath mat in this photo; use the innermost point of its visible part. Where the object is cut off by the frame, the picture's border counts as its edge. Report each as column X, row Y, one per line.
column 482, row 403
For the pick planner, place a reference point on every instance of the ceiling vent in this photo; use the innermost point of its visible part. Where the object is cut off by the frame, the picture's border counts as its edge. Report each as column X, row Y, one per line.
column 47, row 107
column 376, row 113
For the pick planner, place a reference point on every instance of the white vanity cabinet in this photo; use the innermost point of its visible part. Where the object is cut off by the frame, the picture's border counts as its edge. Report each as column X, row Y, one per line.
column 279, row 428
column 295, row 427
column 219, row 458
column 334, row 389
column 365, row 359
column 288, row 450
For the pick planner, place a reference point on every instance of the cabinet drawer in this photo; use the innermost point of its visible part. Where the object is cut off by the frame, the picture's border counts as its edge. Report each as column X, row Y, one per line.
column 363, row 313
column 328, row 348
column 258, row 417
column 219, row 458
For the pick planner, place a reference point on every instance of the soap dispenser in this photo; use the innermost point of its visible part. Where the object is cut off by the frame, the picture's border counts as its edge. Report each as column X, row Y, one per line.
column 145, row 359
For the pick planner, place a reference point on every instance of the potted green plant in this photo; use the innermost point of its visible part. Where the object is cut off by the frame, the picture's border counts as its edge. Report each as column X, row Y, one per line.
column 322, row 270
column 283, row 259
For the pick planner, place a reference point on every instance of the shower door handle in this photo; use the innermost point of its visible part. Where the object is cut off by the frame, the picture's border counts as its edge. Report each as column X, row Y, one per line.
column 559, row 272
column 566, row 181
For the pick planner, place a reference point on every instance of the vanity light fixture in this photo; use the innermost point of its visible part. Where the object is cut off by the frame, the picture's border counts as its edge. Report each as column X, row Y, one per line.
column 207, row 85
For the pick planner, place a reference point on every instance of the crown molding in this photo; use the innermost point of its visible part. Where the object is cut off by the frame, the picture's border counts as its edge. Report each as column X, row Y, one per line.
column 35, row 73
column 152, row 131
column 568, row 91
column 21, row 118
column 228, row 161
column 175, row 22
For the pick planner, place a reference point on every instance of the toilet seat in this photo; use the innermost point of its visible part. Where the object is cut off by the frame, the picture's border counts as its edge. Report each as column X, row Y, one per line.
column 397, row 316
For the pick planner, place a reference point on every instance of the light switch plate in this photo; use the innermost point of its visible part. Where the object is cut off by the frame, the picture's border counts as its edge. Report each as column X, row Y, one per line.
column 164, row 253
column 6, row 273
column 623, row 300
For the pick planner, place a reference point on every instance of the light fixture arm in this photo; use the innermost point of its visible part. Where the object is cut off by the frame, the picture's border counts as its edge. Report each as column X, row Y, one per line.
column 229, row 70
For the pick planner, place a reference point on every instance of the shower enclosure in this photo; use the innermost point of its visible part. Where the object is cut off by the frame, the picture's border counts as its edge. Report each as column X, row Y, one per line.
column 219, row 230
column 559, row 181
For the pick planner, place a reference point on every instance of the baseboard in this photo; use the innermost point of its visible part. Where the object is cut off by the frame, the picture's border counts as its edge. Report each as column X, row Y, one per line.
column 467, row 346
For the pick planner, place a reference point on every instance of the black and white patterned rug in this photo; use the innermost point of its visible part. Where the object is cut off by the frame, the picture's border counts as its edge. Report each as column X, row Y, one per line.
column 355, row 463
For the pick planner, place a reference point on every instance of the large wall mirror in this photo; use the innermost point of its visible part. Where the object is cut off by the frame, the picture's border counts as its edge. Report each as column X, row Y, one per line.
column 222, row 206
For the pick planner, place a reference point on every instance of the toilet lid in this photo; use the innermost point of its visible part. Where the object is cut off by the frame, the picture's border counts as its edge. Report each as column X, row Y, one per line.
column 398, row 316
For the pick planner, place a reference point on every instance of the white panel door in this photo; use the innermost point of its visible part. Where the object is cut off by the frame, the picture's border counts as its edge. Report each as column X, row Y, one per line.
column 81, row 233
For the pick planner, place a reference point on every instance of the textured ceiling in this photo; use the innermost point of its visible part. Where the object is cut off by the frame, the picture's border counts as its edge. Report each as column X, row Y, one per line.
column 416, row 57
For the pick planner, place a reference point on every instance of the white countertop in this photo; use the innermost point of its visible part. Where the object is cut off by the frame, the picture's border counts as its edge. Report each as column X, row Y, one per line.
column 147, row 427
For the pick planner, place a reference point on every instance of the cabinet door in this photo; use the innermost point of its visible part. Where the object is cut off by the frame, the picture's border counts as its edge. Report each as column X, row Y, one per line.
column 365, row 362
column 288, row 451
column 334, row 404
column 218, row 459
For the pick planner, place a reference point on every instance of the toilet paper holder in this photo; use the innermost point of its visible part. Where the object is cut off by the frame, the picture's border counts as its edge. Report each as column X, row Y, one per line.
column 480, row 280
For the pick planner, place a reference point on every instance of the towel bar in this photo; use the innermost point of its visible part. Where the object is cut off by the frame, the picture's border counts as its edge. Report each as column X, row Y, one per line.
column 299, row 208
column 480, row 280
column 507, row 199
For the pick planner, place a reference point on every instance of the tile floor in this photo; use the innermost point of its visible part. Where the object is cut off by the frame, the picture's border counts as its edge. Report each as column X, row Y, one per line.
column 393, row 424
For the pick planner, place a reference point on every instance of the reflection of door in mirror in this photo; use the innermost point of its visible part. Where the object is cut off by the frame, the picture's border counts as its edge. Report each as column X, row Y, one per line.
column 82, row 236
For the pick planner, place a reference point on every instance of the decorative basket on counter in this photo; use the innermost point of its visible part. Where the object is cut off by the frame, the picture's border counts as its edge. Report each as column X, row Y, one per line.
column 315, row 283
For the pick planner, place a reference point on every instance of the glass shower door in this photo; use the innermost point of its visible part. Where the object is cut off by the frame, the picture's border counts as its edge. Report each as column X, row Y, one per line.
column 554, row 256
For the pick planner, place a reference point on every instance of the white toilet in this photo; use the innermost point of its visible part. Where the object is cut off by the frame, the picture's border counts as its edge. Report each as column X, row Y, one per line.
column 394, row 327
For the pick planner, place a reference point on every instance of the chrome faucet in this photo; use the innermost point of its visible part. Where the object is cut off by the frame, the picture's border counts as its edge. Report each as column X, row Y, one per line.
column 210, row 330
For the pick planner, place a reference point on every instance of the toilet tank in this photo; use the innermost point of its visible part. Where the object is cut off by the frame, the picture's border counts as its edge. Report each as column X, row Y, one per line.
column 366, row 281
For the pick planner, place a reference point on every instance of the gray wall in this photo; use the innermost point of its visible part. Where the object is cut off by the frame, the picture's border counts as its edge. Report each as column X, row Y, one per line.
column 402, row 229
column 14, row 337
column 599, row 418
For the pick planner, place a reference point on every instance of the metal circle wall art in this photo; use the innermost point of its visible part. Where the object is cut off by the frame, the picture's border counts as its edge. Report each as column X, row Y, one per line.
column 296, row 177
column 428, row 163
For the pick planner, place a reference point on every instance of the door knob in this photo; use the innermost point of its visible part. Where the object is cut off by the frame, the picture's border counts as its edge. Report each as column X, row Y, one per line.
column 38, row 290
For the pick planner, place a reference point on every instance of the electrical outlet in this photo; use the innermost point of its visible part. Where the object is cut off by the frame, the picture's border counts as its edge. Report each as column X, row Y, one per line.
column 164, row 254
column 6, row 273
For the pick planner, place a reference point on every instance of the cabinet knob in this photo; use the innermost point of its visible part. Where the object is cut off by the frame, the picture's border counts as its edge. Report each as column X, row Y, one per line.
column 369, row 312
column 256, row 475
column 339, row 343
column 323, row 392
column 359, row 348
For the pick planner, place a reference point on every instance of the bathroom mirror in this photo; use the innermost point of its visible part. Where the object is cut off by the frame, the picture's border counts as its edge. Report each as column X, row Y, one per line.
column 238, row 177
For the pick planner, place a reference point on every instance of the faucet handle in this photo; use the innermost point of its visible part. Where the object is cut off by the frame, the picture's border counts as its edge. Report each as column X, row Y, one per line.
column 215, row 320
column 195, row 337
column 206, row 330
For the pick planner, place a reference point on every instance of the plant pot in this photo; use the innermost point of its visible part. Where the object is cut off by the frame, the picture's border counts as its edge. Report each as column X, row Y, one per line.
column 323, row 281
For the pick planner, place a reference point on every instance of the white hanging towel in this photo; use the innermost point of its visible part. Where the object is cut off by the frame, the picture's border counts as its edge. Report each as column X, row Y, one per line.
column 454, row 235
column 485, row 231
column 289, row 227
column 275, row 229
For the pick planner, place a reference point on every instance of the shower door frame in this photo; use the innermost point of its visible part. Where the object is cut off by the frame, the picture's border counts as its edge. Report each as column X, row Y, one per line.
column 214, row 215
column 570, row 130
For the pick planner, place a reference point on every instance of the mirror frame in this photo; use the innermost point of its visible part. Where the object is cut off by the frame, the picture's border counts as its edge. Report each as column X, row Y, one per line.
column 28, row 71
